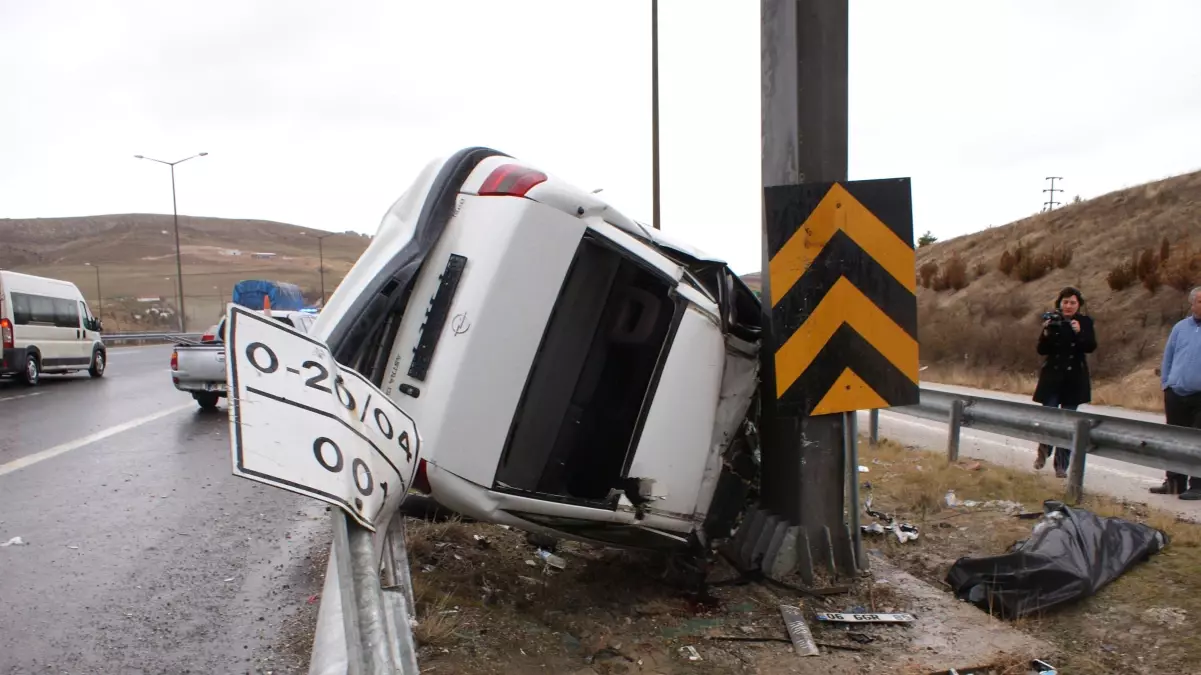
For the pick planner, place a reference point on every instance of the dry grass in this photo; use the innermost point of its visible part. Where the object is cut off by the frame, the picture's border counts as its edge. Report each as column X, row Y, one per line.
column 1120, row 630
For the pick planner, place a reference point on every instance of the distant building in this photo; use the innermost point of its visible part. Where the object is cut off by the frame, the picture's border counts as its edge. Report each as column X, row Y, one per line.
column 231, row 251
column 262, row 256
column 154, row 299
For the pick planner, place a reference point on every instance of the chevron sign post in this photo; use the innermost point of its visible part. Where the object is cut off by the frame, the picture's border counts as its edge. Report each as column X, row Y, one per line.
column 842, row 283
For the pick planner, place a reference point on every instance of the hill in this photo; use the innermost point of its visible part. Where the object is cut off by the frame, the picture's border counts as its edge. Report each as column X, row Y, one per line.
column 1133, row 253
column 135, row 255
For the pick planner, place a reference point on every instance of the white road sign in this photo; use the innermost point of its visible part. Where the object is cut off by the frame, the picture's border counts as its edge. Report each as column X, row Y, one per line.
column 302, row 422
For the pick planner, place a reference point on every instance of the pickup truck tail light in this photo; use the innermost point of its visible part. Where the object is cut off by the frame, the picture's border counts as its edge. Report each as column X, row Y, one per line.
column 421, row 481
column 208, row 337
column 6, row 333
column 174, row 360
column 512, row 180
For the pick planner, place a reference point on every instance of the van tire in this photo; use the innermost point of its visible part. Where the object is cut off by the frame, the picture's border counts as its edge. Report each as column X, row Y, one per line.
column 96, row 369
column 33, row 370
column 207, row 400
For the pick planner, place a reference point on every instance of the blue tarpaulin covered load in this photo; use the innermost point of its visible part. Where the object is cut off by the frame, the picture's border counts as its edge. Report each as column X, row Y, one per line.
column 284, row 296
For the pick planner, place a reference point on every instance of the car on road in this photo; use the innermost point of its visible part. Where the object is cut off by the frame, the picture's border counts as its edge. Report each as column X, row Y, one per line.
column 571, row 372
column 199, row 368
column 46, row 327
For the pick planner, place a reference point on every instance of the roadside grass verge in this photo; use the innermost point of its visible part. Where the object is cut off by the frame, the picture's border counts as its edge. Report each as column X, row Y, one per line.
column 1141, row 623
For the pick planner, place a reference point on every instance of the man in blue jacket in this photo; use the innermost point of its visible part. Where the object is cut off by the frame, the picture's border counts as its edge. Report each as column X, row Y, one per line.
column 1181, row 380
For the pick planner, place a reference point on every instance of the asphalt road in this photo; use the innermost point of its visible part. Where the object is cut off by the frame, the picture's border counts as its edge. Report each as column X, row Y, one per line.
column 1101, row 475
column 144, row 553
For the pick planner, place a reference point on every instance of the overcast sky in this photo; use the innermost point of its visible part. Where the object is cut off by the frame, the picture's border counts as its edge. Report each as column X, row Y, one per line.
column 320, row 113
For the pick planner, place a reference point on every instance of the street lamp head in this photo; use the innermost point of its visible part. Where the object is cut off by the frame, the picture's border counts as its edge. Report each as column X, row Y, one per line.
column 138, row 157
column 204, row 154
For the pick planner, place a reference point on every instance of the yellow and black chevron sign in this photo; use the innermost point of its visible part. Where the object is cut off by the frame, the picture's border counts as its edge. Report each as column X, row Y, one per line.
column 842, row 288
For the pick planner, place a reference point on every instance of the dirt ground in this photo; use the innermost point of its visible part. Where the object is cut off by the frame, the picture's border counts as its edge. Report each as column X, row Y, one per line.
column 488, row 604
column 1141, row 623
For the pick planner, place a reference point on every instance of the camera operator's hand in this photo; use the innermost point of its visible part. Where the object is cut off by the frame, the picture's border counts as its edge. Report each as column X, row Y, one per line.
column 1075, row 326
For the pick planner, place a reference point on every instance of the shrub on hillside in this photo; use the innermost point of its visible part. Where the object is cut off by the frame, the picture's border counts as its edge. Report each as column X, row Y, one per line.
column 926, row 273
column 1145, row 264
column 1061, row 256
column 1033, row 266
column 1182, row 271
column 981, row 270
column 1006, row 263
column 954, row 274
column 1151, row 281
column 1121, row 277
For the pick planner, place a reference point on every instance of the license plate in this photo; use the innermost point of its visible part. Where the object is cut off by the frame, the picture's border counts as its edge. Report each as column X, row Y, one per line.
column 868, row 618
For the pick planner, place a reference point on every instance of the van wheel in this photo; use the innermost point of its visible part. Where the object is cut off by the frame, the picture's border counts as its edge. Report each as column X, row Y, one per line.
column 33, row 370
column 97, row 367
column 206, row 399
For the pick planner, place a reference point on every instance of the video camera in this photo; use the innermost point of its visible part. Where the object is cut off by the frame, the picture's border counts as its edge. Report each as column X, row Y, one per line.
column 1055, row 317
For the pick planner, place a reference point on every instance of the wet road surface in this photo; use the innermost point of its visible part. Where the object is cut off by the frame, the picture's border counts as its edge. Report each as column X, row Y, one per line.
column 143, row 553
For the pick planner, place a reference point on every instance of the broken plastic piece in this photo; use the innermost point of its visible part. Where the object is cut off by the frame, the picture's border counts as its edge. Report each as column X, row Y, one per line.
column 798, row 631
column 15, row 541
column 689, row 652
column 863, row 469
column 952, row 500
column 552, row 559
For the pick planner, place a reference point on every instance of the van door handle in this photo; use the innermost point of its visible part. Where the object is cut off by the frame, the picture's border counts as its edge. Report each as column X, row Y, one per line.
column 77, row 335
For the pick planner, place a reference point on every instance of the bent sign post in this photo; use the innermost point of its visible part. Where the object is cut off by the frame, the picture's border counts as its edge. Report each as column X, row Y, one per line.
column 302, row 422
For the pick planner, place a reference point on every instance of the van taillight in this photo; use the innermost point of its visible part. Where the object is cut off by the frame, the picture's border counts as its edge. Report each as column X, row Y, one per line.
column 513, row 180
column 6, row 333
column 174, row 360
column 421, row 481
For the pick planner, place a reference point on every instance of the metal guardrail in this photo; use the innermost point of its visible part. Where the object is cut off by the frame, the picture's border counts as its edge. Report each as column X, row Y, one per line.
column 365, row 621
column 148, row 337
column 1150, row 444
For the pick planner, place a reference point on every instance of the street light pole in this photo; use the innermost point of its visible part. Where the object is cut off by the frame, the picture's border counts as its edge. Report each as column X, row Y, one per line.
column 655, row 114
column 175, row 216
column 321, row 263
column 99, row 295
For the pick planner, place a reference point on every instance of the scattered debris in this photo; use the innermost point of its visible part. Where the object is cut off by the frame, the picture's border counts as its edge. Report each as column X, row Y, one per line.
column 951, row 499
column 835, row 645
column 863, row 469
column 689, row 652
column 1071, row 554
column 15, row 541
column 861, row 638
column 552, row 559
column 73, row 547
column 887, row 617
column 798, row 631
column 1168, row 616
column 229, row 580
column 311, row 600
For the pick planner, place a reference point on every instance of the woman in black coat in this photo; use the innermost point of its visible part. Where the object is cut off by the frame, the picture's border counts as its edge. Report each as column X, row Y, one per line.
column 1063, row 381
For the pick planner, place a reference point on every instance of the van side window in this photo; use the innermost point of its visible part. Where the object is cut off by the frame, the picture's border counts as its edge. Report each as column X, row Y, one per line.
column 29, row 308
column 66, row 313
column 22, row 312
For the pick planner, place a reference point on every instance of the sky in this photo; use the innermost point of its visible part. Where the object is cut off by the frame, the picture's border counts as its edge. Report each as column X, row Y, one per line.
column 320, row 113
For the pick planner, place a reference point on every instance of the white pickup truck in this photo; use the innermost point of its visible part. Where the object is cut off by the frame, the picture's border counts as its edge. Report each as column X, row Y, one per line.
column 199, row 368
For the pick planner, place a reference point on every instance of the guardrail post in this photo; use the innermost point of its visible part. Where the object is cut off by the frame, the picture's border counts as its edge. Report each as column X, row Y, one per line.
column 953, row 430
column 1080, row 446
column 873, row 426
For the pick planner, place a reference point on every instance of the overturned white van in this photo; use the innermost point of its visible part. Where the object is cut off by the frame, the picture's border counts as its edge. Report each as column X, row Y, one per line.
column 571, row 371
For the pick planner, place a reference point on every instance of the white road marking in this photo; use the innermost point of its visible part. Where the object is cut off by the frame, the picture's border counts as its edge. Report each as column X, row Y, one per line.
column 30, row 460
column 21, row 396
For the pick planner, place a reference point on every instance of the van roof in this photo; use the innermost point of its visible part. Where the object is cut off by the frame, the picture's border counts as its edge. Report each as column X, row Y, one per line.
column 9, row 274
